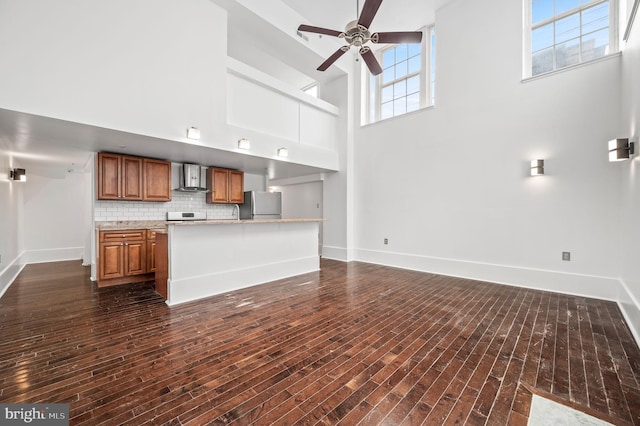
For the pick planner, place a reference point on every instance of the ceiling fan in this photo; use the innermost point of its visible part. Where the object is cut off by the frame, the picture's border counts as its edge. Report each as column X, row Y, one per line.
column 356, row 33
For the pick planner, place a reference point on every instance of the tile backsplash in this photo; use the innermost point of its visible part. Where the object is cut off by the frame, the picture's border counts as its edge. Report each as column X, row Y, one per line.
column 181, row 202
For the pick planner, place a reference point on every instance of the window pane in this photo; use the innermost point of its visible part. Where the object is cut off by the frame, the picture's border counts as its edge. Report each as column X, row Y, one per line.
column 595, row 18
column 541, row 10
column 400, row 89
column 413, row 84
column 387, row 94
column 388, row 58
column 401, row 69
column 568, row 28
column 595, row 45
column 542, row 61
column 386, row 110
column 568, row 53
column 401, row 52
column 542, row 37
column 399, row 106
column 414, row 49
column 566, row 5
column 415, row 64
column 387, row 75
column 413, row 102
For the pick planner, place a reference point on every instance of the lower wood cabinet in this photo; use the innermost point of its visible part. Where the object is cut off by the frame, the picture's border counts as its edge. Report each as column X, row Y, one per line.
column 122, row 257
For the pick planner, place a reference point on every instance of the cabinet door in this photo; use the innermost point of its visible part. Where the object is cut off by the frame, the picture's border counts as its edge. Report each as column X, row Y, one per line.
column 131, row 178
column 217, row 184
column 157, row 180
column 111, row 260
column 236, row 187
column 162, row 265
column 135, row 257
column 109, row 183
column 151, row 256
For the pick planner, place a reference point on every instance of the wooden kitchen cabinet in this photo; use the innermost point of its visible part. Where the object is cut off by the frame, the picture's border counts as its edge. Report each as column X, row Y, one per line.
column 119, row 177
column 157, row 180
column 122, row 257
column 128, row 178
column 225, row 186
column 151, row 251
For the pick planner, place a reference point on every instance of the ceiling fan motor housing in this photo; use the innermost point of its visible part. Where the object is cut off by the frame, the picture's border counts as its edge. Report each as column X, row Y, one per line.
column 356, row 35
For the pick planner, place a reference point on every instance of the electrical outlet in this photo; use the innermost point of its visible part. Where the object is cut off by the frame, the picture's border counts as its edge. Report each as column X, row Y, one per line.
column 566, row 256
column 386, row 241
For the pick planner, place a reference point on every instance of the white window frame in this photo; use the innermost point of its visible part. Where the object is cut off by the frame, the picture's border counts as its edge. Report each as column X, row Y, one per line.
column 426, row 97
column 527, row 63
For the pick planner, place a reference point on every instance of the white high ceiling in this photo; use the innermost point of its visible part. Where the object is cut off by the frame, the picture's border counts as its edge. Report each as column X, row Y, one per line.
column 52, row 147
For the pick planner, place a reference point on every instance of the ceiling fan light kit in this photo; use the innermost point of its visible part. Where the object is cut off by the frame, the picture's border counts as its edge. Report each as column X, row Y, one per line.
column 357, row 33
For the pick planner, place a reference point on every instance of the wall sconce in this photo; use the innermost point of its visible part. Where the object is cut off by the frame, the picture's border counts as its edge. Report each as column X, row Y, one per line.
column 537, row 167
column 18, row 175
column 193, row 133
column 282, row 152
column 621, row 149
column 244, row 144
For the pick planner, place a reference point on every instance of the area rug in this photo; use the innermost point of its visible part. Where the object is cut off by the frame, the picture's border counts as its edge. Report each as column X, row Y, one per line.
column 545, row 412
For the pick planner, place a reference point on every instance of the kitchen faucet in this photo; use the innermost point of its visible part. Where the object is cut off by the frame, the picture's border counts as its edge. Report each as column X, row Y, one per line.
column 235, row 206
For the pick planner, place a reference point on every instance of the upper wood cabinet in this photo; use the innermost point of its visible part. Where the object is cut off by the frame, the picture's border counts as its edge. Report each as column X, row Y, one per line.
column 119, row 177
column 127, row 178
column 225, row 186
column 157, row 180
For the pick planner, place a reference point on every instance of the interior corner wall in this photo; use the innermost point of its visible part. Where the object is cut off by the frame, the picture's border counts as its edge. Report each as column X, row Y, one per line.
column 629, row 299
column 10, row 222
column 337, row 196
column 449, row 187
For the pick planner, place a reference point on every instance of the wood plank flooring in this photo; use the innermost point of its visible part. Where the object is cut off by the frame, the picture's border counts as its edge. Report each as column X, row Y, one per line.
column 352, row 344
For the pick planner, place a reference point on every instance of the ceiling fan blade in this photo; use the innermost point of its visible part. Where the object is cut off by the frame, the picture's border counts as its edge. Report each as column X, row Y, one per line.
column 331, row 59
column 397, row 37
column 319, row 30
column 369, row 11
column 371, row 61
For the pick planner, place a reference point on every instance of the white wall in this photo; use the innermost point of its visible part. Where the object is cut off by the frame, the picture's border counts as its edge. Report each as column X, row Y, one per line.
column 10, row 221
column 629, row 219
column 151, row 67
column 338, row 196
column 449, row 188
column 54, row 218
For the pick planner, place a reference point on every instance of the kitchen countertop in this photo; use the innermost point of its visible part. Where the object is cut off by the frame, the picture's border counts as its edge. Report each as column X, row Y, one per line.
column 161, row 225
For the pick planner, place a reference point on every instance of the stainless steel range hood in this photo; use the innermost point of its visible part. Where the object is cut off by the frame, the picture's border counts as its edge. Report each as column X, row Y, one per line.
column 193, row 178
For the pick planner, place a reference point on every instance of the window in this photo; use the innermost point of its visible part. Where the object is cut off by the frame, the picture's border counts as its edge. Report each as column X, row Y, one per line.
column 407, row 82
column 561, row 33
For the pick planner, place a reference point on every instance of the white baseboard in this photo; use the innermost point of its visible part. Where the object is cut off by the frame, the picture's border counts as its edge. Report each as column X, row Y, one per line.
column 630, row 308
column 51, row 255
column 605, row 288
column 335, row 253
column 193, row 288
column 9, row 274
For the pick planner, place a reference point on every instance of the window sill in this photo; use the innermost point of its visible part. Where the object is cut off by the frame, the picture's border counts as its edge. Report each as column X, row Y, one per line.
column 382, row 120
column 571, row 67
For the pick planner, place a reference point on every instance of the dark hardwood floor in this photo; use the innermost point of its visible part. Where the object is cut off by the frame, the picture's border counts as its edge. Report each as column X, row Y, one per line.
column 352, row 344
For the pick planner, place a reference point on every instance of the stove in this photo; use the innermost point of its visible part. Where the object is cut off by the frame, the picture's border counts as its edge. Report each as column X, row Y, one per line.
column 174, row 216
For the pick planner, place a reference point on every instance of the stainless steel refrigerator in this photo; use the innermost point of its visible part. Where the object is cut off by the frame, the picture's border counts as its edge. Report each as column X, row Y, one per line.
column 261, row 205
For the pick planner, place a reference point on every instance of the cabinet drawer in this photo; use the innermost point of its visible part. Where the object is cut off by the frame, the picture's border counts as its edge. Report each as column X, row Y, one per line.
column 134, row 234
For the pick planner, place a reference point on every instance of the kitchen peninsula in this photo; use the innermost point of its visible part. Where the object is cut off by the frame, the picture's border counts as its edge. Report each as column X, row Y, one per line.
column 198, row 259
